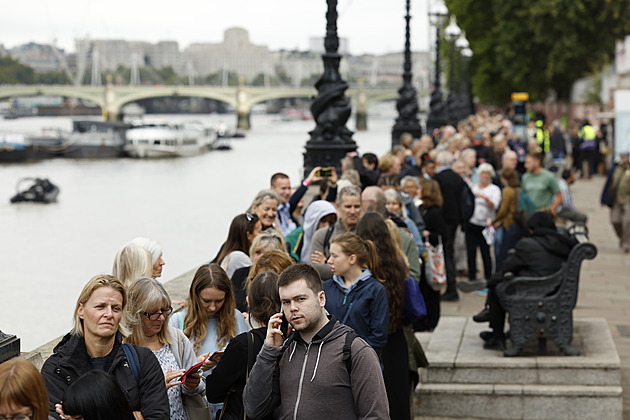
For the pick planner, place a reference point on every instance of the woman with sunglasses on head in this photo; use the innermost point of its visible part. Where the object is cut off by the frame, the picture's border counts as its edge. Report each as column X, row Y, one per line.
column 22, row 391
column 211, row 319
column 95, row 342
column 147, row 320
column 235, row 252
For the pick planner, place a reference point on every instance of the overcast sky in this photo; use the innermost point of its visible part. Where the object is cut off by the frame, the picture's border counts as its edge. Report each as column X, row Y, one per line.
column 371, row 26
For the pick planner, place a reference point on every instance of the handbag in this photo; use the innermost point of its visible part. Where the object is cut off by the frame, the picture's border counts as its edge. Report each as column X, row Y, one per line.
column 435, row 268
column 414, row 302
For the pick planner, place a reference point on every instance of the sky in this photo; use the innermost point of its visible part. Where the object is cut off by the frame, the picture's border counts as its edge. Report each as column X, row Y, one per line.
column 371, row 26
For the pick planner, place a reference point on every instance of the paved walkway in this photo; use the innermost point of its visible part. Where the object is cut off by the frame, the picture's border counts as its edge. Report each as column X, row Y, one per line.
column 604, row 282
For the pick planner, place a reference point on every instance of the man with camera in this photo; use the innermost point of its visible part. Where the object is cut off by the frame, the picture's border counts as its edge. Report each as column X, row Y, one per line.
column 323, row 370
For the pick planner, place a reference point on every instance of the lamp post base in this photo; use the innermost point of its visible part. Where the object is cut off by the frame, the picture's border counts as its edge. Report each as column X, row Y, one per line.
column 9, row 346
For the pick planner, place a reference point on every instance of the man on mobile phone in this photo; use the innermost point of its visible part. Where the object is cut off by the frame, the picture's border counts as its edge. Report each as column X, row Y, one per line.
column 306, row 376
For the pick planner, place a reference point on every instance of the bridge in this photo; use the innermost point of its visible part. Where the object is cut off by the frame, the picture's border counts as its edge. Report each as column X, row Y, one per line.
column 112, row 98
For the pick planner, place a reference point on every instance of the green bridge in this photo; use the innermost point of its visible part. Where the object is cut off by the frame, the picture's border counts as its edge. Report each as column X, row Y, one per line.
column 112, row 98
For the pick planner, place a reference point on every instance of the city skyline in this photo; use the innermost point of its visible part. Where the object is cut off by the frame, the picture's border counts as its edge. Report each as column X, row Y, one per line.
column 278, row 24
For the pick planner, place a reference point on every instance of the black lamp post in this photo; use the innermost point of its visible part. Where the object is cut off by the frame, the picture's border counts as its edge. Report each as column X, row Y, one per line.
column 467, row 98
column 461, row 44
column 407, row 103
column 9, row 346
column 451, row 33
column 330, row 140
column 437, row 112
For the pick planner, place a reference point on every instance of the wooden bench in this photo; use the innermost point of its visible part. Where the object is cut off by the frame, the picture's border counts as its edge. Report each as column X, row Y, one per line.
column 542, row 307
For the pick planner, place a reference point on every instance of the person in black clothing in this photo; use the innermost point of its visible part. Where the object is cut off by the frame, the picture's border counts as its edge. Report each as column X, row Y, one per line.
column 452, row 187
column 227, row 380
column 367, row 166
column 435, row 229
column 538, row 255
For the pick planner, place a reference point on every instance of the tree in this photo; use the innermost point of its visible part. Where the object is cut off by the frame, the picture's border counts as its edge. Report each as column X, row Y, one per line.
column 538, row 46
column 14, row 72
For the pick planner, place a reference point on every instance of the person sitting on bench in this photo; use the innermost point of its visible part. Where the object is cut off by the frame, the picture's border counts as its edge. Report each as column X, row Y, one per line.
column 539, row 254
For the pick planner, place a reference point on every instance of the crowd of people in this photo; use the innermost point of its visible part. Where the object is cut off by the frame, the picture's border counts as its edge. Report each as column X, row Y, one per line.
column 302, row 313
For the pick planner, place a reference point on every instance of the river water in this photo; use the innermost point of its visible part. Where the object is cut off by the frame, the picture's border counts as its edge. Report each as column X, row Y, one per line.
column 48, row 252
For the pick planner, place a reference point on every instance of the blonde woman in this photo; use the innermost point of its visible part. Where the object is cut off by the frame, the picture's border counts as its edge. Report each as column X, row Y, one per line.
column 132, row 262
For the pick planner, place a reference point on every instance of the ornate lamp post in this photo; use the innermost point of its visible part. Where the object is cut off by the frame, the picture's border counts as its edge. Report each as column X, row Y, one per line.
column 437, row 113
column 330, row 140
column 407, row 103
column 451, row 33
column 469, row 106
column 462, row 104
column 9, row 346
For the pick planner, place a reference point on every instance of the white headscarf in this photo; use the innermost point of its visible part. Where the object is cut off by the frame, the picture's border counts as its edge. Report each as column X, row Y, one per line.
column 314, row 213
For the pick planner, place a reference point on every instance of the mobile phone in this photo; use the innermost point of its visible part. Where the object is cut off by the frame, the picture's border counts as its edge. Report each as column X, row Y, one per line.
column 325, row 172
column 284, row 326
column 194, row 368
column 216, row 356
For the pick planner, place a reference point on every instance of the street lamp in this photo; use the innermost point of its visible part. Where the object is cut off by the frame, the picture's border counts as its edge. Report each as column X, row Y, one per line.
column 461, row 107
column 451, row 33
column 407, row 103
column 330, row 140
column 437, row 112
column 467, row 100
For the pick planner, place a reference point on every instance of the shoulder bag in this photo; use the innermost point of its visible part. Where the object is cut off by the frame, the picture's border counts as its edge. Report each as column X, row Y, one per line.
column 196, row 405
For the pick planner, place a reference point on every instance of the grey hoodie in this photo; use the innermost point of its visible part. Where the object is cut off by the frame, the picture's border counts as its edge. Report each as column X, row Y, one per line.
column 311, row 380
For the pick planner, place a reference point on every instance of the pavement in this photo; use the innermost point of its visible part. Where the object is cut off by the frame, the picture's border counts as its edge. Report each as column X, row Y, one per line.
column 604, row 282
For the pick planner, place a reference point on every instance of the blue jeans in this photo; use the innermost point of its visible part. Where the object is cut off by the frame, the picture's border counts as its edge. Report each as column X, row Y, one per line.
column 511, row 235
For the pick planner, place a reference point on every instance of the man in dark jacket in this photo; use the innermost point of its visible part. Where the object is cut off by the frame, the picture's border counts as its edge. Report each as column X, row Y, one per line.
column 538, row 255
column 452, row 187
column 308, row 378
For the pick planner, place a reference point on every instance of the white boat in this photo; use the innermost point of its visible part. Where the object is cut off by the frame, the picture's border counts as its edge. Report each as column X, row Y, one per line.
column 155, row 139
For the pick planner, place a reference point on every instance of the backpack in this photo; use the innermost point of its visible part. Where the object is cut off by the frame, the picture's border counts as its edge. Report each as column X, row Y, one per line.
column 524, row 206
column 347, row 349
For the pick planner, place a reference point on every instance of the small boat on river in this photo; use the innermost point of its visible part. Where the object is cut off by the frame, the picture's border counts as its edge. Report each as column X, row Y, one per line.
column 158, row 139
column 35, row 190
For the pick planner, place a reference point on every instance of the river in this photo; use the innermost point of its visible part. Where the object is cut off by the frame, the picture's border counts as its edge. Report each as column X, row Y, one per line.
column 48, row 252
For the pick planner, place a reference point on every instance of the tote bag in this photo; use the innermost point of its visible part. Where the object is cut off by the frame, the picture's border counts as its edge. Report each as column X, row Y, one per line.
column 414, row 302
column 435, row 268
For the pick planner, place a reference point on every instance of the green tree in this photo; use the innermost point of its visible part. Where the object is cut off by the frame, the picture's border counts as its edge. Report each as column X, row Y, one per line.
column 538, row 46
column 14, row 72
column 52, row 78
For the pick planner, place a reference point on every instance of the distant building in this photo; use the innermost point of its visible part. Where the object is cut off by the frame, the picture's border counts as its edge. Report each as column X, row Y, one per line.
column 235, row 54
column 41, row 57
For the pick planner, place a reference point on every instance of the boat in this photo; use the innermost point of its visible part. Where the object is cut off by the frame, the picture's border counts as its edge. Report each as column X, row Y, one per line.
column 36, row 190
column 49, row 142
column 156, row 139
column 94, row 139
column 15, row 148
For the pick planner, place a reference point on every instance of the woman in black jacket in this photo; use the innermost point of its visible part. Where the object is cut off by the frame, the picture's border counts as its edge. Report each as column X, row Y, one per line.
column 96, row 343
column 434, row 232
column 227, row 380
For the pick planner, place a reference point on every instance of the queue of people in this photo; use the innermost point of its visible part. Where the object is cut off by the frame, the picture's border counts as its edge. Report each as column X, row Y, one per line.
column 306, row 298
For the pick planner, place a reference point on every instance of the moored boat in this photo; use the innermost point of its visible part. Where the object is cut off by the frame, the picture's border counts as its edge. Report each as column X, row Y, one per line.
column 156, row 139
column 15, row 148
column 94, row 139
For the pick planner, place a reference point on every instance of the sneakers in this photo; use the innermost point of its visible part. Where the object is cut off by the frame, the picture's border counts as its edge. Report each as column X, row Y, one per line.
column 483, row 316
column 472, row 285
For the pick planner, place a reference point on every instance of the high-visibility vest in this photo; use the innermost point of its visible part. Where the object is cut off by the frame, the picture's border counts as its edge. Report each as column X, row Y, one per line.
column 543, row 139
column 587, row 132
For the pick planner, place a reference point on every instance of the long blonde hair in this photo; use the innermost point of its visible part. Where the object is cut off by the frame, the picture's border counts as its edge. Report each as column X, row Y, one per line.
column 195, row 322
column 132, row 262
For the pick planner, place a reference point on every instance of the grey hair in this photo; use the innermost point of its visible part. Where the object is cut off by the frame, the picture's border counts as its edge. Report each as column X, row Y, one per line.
column 413, row 179
column 351, row 190
column 269, row 237
column 444, row 158
column 262, row 196
column 145, row 294
column 485, row 167
column 150, row 245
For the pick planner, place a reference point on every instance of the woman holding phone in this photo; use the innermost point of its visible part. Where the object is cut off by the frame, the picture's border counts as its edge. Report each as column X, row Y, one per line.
column 227, row 380
column 211, row 320
column 147, row 318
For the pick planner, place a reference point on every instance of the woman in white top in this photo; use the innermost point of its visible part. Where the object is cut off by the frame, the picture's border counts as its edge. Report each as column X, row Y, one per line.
column 235, row 251
column 487, row 200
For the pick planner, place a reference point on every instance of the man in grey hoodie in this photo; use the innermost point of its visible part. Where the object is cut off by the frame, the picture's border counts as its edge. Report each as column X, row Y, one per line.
column 309, row 378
